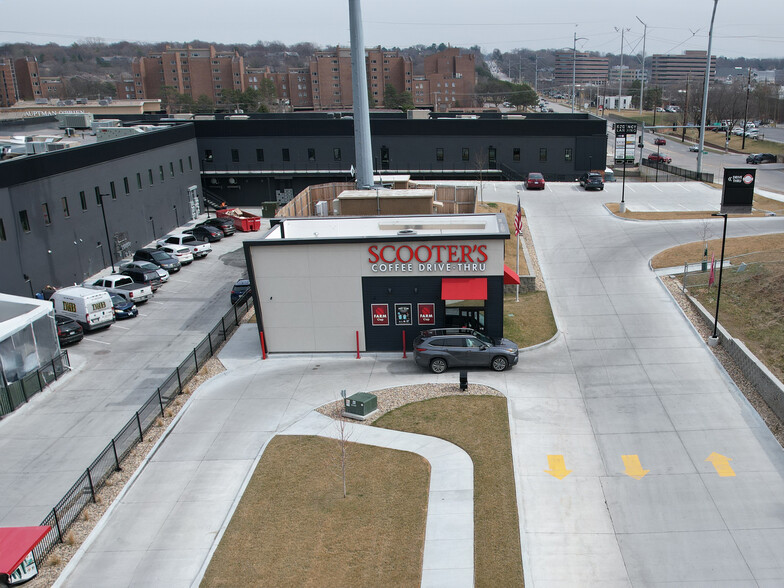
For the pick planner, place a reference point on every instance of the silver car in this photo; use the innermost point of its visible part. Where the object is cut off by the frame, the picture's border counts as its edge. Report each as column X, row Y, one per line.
column 465, row 348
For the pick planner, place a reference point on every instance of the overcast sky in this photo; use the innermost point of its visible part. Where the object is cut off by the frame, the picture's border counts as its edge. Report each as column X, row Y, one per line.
column 743, row 28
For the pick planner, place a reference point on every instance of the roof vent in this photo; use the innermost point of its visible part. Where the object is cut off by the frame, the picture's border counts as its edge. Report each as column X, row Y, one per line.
column 406, row 232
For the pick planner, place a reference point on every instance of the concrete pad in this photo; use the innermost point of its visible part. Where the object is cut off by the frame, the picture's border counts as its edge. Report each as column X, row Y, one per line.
column 244, row 445
column 703, row 411
column 581, row 455
column 446, row 578
column 661, row 453
column 191, row 525
column 134, row 526
column 571, row 505
column 169, row 567
column 543, row 385
column 761, row 548
column 546, row 416
column 747, row 450
column 113, row 569
column 659, row 504
column 761, row 506
column 683, row 558
column 441, row 527
column 185, row 447
column 628, row 414
column 575, row 559
column 216, row 481
column 162, row 482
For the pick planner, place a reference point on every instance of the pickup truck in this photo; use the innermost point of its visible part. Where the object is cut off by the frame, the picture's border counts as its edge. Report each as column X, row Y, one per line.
column 123, row 286
column 198, row 248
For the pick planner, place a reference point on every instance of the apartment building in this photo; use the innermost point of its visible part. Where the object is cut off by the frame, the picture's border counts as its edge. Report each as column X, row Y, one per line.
column 629, row 75
column 451, row 80
column 586, row 68
column 8, row 91
column 193, row 71
column 30, row 84
column 675, row 69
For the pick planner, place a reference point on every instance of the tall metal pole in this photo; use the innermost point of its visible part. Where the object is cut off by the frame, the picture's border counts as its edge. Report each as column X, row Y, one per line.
column 106, row 228
column 721, row 266
column 620, row 71
column 574, row 67
column 642, row 78
column 536, row 73
column 362, row 145
column 706, row 82
column 746, row 112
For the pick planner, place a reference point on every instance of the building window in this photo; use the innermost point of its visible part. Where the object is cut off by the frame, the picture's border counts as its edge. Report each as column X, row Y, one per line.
column 45, row 212
column 259, row 154
column 149, row 177
column 160, row 172
column 286, row 155
column 139, row 180
column 568, row 154
column 516, row 154
column 114, row 190
column 235, row 155
column 126, row 185
column 2, row 231
column 24, row 220
column 190, row 163
column 311, row 154
column 439, row 154
column 208, row 155
column 182, row 168
column 98, row 200
column 66, row 212
column 336, row 154
column 466, row 154
column 543, row 154
column 491, row 155
column 171, row 168
column 83, row 200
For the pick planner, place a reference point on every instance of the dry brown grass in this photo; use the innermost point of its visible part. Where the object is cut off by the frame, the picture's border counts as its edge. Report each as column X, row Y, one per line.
column 294, row 528
column 480, row 426
column 764, row 248
column 510, row 251
column 614, row 207
column 532, row 321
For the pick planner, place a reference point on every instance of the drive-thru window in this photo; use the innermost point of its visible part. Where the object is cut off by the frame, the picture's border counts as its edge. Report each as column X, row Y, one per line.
column 365, row 283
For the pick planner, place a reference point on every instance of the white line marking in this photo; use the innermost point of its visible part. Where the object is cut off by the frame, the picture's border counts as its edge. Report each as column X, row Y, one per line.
column 123, row 328
column 657, row 187
column 96, row 341
column 630, row 188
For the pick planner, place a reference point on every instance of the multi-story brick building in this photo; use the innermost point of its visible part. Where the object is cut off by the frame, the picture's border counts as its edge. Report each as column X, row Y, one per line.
column 449, row 80
column 9, row 94
column 30, row 85
column 586, row 68
column 675, row 69
column 193, row 71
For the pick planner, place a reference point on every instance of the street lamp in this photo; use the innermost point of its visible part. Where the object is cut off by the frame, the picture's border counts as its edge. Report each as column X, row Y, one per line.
column 746, row 110
column 706, row 83
column 574, row 63
column 106, row 228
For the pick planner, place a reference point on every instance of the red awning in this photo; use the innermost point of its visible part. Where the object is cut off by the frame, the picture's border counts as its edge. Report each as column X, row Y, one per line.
column 463, row 288
column 510, row 276
column 16, row 543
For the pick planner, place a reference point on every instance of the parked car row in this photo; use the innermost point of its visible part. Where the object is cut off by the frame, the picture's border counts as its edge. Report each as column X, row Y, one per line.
column 98, row 303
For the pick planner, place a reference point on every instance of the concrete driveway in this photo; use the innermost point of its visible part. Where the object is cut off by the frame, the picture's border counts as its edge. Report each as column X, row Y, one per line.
column 627, row 398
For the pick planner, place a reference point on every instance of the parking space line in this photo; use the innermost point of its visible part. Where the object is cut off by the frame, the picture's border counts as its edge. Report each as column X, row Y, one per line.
column 96, row 341
column 116, row 326
column 657, row 187
column 628, row 187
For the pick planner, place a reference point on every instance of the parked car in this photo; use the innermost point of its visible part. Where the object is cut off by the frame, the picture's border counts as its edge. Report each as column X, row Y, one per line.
column 181, row 253
column 68, row 330
column 198, row 248
column 160, row 258
column 205, row 233
column 224, row 224
column 660, row 158
column 659, row 141
column 148, row 277
column 535, row 180
column 592, row 181
column 123, row 309
column 239, row 289
column 439, row 352
column 146, row 265
column 757, row 158
column 123, row 286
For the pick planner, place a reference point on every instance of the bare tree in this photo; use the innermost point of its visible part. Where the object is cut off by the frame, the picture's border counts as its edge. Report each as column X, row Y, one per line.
column 344, row 435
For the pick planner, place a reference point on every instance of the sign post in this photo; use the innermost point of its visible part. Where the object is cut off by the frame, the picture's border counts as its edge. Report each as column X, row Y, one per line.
column 621, row 130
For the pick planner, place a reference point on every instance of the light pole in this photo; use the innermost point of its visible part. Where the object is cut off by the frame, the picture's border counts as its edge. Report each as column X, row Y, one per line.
column 706, row 83
column 106, row 228
column 642, row 77
column 620, row 70
column 574, row 63
column 746, row 110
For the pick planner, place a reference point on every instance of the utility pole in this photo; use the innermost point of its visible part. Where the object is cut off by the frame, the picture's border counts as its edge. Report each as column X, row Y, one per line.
column 362, row 145
column 620, row 70
column 536, row 73
column 706, row 83
column 746, row 112
column 642, row 78
column 685, row 109
column 574, row 63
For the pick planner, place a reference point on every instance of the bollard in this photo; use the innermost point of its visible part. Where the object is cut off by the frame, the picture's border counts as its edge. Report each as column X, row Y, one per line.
column 358, row 356
column 263, row 349
column 404, row 344
column 464, row 379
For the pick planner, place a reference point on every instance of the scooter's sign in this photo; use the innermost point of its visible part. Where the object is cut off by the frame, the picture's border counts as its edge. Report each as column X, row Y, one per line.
column 429, row 258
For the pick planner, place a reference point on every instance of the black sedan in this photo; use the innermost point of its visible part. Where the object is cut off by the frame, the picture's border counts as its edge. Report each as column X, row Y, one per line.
column 224, row 224
column 205, row 233
column 68, row 330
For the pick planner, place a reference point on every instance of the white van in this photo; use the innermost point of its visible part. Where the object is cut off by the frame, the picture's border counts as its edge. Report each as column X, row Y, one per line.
column 90, row 308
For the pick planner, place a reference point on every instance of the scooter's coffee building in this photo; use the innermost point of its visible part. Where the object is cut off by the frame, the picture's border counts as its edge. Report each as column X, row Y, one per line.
column 369, row 283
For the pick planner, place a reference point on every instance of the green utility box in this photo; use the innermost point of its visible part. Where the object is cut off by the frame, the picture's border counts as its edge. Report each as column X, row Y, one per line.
column 360, row 405
column 268, row 209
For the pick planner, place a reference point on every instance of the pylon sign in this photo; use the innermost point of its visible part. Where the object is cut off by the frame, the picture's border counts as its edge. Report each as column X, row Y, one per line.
column 738, row 190
column 625, row 128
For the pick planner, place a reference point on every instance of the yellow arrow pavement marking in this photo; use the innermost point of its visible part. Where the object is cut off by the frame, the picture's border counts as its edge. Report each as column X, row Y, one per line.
column 557, row 466
column 722, row 464
column 634, row 467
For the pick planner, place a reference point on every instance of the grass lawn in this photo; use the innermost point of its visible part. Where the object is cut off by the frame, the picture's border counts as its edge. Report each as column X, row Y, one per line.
column 532, row 319
column 480, row 426
column 510, row 251
column 294, row 528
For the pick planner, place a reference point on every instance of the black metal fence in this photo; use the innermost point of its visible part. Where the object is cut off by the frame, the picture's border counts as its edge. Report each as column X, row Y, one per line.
column 110, row 459
column 678, row 171
column 14, row 394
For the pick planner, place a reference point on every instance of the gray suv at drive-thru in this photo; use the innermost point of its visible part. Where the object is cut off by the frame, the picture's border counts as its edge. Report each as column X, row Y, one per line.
column 439, row 349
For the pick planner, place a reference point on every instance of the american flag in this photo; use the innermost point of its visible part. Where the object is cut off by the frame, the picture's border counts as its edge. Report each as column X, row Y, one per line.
column 518, row 225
